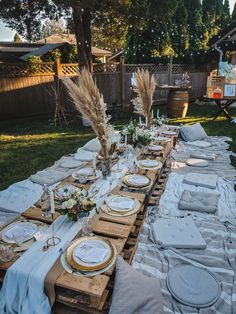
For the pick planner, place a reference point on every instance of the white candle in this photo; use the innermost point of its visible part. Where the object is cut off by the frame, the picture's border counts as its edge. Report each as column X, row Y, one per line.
column 157, row 113
column 146, row 121
column 52, row 205
column 140, row 120
column 125, row 139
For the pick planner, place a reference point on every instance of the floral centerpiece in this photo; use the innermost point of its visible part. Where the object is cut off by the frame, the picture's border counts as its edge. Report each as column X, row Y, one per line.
column 89, row 101
column 160, row 119
column 76, row 204
column 137, row 135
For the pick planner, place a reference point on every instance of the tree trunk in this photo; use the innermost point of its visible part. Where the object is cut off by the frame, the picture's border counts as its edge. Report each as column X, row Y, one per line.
column 82, row 24
column 79, row 35
column 88, row 37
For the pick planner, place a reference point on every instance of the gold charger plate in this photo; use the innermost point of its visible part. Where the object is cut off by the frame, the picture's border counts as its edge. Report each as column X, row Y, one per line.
column 125, row 180
column 110, row 212
column 76, row 265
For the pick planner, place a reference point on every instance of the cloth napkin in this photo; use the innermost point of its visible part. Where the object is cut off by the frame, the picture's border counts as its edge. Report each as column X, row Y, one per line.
column 28, row 231
column 199, row 201
column 138, row 180
column 90, row 253
column 84, row 155
column 121, row 203
column 48, row 177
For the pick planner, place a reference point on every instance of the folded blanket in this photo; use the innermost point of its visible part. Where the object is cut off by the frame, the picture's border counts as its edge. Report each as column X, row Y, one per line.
column 211, row 157
column 48, row 177
column 92, row 146
column 199, row 201
column 199, row 179
column 84, row 155
column 193, row 132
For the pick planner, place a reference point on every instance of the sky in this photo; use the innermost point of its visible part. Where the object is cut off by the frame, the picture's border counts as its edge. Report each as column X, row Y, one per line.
column 6, row 34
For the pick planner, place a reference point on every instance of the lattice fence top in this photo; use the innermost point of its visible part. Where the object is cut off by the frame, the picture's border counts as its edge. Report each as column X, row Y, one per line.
column 106, row 67
column 26, row 69
column 152, row 68
column 69, row 69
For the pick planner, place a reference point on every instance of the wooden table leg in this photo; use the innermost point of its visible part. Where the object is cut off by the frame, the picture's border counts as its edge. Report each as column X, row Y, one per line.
column 223, row 109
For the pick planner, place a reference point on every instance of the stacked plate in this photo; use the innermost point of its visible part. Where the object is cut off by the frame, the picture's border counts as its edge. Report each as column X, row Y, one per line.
column 171, row 133
column 89, row 173
column 149, row 164
column 89, row 256
column 119, row 205
column 136, row 181
column 156, row 148
column 163, row 139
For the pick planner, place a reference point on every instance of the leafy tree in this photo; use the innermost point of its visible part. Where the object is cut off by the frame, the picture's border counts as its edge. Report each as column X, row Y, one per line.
column 17, row 38
column 225, row 16
column 25, row 16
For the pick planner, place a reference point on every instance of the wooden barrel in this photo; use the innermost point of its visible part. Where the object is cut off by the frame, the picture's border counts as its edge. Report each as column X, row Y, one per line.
column 177, row 103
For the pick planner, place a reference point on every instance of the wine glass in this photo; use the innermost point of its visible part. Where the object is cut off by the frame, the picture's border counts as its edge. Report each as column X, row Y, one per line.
column 86, row 227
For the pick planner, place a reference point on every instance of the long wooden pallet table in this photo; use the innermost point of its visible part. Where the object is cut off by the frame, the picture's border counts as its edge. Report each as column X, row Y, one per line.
column 76, row 294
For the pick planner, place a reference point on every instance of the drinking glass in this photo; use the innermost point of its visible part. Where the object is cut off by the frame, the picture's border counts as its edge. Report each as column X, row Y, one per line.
column 86, row 227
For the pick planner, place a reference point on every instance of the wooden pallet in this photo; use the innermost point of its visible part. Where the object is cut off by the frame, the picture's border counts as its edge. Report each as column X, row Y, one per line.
column 93, row 295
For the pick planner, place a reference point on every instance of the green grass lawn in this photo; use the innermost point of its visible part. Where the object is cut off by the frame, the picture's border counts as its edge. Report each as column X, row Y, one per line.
column 30, row 145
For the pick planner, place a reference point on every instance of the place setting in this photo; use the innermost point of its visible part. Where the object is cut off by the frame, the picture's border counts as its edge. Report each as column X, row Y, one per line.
column 136, row 181
column 87, row 174
column 120, row 206
column 149, row 164
column 89, row 256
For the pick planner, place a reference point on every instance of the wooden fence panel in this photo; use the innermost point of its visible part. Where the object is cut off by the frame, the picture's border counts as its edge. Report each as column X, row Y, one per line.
column 24, row 96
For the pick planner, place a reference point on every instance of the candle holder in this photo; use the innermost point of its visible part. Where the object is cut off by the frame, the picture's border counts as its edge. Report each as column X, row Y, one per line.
column 53, row 241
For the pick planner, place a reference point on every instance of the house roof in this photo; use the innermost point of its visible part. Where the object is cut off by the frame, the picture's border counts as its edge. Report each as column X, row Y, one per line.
column 226, row 38
column 71, row 40
column 40, row 51
column 116, row 54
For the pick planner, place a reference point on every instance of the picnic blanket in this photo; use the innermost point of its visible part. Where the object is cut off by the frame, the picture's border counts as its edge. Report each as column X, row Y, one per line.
column 175, row 187
column 220, row 165
column 218, row 257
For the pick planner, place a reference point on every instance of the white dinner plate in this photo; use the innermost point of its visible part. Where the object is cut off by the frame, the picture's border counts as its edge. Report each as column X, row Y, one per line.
column 120, row 203
column 30, row 230
column 156, row 148
column 137, row 180
column 149, row 163
column 169, row 132
column 163, row 139
column 87, row 172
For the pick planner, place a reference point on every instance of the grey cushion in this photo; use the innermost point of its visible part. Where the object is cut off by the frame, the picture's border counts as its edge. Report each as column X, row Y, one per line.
column 200, row 179
column 135, row 293
column 193, row 132
column 193, row 286
column 199, row 201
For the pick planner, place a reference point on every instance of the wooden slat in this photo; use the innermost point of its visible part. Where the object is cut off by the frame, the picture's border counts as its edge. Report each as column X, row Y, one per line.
column 111, row 229
column 35, row 213
column 129, row 220
column 93, row 286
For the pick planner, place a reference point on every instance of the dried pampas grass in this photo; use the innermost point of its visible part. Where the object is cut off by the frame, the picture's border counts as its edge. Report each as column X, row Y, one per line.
column 146, row 85
column 89, row 102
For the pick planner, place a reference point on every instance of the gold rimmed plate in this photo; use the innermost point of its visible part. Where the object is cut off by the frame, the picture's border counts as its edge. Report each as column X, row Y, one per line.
column 95, row 247
column 136, row 180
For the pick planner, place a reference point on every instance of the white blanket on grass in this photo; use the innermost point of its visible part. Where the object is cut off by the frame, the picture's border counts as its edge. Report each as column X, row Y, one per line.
column 174, row 188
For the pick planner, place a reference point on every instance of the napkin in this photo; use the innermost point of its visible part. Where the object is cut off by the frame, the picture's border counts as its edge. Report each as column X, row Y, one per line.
column 28, row 231
column 85, row 172
column 138, row 180
column 120, row 203
column 91, row 254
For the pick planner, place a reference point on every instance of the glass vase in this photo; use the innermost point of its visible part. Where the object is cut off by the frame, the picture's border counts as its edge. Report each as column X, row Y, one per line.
column 106, row 167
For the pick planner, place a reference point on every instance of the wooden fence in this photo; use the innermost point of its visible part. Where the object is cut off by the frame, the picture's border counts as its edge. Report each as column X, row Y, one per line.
column 25, row 88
